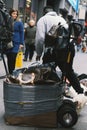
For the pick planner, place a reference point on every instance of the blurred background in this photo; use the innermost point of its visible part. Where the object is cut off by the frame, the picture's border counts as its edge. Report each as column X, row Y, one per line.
column 77, row 9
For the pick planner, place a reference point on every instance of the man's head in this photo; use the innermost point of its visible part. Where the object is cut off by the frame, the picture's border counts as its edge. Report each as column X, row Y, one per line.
column 31, row 23
column 47, row 9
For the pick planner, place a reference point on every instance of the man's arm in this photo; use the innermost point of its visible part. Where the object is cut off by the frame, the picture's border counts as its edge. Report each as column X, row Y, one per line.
column 40, row 37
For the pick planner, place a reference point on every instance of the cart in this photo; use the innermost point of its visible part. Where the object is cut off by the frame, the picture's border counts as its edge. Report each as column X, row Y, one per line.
column 40, row 105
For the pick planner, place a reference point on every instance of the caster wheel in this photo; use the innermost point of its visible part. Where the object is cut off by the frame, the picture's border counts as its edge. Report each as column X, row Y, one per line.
column 67, row 116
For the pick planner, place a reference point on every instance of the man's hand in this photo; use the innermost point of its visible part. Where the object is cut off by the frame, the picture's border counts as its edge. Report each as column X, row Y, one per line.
column 21, row 46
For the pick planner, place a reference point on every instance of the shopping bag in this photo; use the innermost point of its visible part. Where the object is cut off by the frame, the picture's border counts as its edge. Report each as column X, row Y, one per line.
column 19, row 60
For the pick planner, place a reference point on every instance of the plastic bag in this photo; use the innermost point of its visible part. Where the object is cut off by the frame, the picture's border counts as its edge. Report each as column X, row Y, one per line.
column 19, row 60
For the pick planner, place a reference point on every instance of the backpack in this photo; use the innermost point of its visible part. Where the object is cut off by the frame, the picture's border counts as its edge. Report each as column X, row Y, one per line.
column 6, row 27
column 57, row 36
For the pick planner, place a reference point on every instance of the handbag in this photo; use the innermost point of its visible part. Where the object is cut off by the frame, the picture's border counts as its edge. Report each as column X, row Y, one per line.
column 9, row 45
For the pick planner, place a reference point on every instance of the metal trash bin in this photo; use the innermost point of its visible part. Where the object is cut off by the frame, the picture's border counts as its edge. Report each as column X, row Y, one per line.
column 33, row 105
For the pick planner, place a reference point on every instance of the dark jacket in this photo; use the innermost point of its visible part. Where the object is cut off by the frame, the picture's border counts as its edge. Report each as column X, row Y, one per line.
column 30, row 33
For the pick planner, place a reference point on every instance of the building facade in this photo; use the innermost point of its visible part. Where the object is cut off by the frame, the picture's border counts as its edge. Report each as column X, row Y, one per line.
column 21, row 5
column 11, row 4
column 66, row 7
column 83, row 10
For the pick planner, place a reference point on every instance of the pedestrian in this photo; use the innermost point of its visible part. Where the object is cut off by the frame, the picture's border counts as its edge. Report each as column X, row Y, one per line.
column 30, row 33
column 17, row 39
column 79, row 42
column 85, row 24
column 44, row 24
column 84, row 43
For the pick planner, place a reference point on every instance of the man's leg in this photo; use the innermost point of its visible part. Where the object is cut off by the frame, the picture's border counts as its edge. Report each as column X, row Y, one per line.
column 66, row 67
column 11, row 59
column 26, row 52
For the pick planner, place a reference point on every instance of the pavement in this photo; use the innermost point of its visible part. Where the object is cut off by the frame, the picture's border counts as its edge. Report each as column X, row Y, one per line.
column 80, row 66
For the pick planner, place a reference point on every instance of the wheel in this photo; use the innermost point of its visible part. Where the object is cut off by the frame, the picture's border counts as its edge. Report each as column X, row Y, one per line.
column 67, row 116
column 69, row 103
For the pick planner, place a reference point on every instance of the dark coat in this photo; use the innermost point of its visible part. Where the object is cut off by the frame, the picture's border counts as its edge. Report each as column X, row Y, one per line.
column 30, row 33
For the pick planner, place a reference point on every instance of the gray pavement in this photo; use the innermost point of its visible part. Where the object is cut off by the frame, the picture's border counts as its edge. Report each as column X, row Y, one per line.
column 80, row 66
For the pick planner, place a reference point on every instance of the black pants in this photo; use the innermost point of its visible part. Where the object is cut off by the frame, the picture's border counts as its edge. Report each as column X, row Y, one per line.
column 11, row 59
column 65, row 65
column 29, row 51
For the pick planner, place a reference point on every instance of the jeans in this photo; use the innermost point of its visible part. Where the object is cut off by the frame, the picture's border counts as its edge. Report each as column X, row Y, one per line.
column 11, row 60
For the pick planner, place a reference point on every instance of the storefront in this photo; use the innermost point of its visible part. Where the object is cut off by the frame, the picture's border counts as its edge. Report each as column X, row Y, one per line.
column 66, row 7
column 11, row 4
column 38, row 5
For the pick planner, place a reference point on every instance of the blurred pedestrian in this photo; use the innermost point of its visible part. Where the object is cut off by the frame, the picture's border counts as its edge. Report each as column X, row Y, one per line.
column 85, row 24
column 84, row 43
column 17, row 39
column 30, row 33
column 79, row 42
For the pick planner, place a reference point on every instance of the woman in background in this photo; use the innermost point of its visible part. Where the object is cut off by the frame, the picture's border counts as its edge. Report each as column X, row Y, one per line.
column 17, row 39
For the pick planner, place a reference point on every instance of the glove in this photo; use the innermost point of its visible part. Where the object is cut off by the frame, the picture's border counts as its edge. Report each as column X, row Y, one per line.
column 37, row 58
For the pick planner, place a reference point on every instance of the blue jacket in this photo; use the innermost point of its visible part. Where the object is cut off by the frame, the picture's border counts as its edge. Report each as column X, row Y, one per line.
column 18, row 36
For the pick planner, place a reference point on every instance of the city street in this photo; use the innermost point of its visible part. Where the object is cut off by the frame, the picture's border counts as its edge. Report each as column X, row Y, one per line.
column 80, row 66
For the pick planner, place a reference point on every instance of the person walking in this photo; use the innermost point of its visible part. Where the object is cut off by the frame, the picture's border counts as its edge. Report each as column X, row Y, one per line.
column 44, row 24
column 30, row 33
column 17, row 39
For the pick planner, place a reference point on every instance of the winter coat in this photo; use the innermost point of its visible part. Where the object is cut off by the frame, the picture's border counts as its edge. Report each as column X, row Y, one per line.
column 30, row 33
column 18, row 36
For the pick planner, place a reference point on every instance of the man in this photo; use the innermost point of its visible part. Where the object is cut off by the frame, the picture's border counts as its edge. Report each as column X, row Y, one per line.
column 30, row 32
column 44, row 24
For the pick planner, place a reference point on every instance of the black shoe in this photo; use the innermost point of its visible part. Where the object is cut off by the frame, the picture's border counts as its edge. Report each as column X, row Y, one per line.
column 81, row 91
column 24, row 59
column 85, row 93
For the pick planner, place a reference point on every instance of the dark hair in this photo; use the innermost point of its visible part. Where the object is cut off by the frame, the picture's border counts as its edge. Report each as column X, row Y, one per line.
column 13, row 10
column 47, row 9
